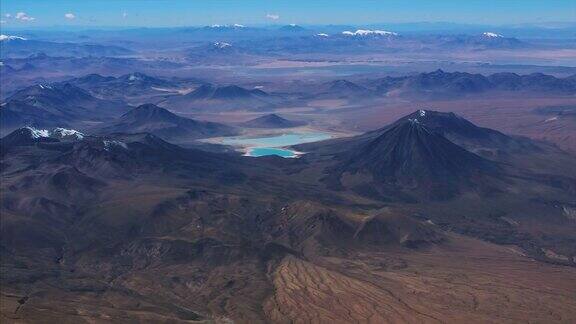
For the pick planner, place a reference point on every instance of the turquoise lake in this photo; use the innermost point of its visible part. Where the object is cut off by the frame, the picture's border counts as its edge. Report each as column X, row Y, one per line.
column 274, row 144
column 264, row 151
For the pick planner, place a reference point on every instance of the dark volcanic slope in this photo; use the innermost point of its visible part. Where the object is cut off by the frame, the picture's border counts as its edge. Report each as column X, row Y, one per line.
column 161, row 122
column 468, row 135
column 410, row 155
column 455, row 128
column 111, row 157
column 272, row 121
column 55, row 105
column 25, row 136
column 16, row 114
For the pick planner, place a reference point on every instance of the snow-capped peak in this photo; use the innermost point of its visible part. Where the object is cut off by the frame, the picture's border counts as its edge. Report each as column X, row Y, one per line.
column 322, row 35
column 227, row 26
column 222, row 45
column 38, row 133
column 57, row 132
column 491, row 35
column 366, row 32
column 9, row 38
column 64, row 132
column 422, row 112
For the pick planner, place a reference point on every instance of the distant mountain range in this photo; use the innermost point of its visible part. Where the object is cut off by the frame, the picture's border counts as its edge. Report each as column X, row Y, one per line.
column 22, row 47
column 129, row 85
column 292, row 28
column 343, row 89
column 41, row 68
column 441, row 83
column 374, row 40
column 271, row 121
column 220, row 52
column 136, row 79
column 65, row 104
column 209, row 96
column 231, row 92
column 486, row 40
column 152, row 119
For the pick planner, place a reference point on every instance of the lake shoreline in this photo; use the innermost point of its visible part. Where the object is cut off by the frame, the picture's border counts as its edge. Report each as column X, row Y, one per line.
column 276, row 142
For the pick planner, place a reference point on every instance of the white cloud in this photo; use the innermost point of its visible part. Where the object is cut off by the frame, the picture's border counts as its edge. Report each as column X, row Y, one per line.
column 24, row 17
column 2, row 22
column 273, row 16
column 70, row 16
column 8, row 15
column 124, row 15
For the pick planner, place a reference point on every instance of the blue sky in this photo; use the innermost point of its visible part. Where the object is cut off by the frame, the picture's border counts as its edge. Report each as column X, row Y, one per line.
column 155, row 13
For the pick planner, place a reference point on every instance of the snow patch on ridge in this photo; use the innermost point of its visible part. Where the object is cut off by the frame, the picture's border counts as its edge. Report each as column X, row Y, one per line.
column 56, row 132
column 9, row 38
column 38, row 133
column 44, row 86
column 222, row 45
column 227, row 26
column 113, row 143
column 551, row 119
column 64, row 132
column 492, row 35
column 134, row 77
column 367, row 32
